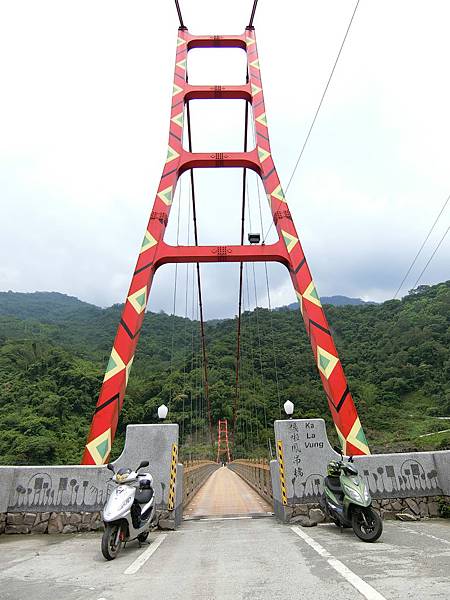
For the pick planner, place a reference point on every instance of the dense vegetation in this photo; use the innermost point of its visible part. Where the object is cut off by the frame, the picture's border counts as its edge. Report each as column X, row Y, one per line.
column 53, row 350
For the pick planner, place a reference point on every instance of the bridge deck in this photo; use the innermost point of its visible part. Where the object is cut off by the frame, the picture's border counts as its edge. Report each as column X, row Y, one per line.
column 226, row 494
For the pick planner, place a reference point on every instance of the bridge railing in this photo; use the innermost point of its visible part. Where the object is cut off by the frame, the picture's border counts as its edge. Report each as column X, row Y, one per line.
column 256, row 472
column 195, row 473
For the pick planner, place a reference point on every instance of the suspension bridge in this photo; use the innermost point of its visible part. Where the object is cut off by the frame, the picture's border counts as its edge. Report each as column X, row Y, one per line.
column 229, row 544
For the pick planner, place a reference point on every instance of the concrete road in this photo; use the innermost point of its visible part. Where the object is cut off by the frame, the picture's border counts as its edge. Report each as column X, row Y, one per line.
column 234, row 559
column 226, row 494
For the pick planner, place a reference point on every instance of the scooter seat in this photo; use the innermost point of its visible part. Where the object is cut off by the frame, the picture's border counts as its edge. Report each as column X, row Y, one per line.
column 143, row 496
column 334, row 485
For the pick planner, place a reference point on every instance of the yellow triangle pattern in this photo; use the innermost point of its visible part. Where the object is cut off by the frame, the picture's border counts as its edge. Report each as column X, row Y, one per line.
column 180, row 41
column 166, row 195
column 255, row 90
column 182, row 64
column 278, row 194
column 138, row 300
column 262, row 119
column 300, row 300
column 342, row 441
column 171, row 154
column 249, row 41
column 263, row 154
column 93, row 445
column 289, row 240
column 352, row 439
column 311, row 294
column 178, row 119
column 148, row 242
column 330, row 360
column 119, row 365
column 176, row 90
column 127, row 371
column 255, row 64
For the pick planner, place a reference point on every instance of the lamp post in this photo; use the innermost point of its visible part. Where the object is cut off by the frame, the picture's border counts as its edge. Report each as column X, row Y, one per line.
column 288, row 408
column 162, row 412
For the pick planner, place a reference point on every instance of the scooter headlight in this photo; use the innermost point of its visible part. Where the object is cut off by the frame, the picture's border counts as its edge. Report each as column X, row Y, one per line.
column 355, row 495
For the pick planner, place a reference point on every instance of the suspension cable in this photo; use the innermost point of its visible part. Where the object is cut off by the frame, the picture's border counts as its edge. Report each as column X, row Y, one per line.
column 180, row 16
column 318, row 108
column 431, row 257
column 421, row 248
column 241, row 270
column 174, row 301
column 200, row 301
column 252, row 16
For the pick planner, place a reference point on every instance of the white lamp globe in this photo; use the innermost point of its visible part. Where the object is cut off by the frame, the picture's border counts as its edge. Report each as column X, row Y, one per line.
column 162, row 411
column 288, row 408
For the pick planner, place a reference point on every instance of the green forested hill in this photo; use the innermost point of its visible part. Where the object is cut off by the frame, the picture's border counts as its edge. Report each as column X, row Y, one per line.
column 53, row 350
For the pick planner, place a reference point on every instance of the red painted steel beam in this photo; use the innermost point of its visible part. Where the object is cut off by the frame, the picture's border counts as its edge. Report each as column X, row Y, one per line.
column 205, row 160
column 207, row 254
column 154, row 252
column 215, row 92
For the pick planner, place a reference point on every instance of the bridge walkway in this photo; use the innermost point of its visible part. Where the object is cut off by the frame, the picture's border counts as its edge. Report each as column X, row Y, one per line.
column 226, row 494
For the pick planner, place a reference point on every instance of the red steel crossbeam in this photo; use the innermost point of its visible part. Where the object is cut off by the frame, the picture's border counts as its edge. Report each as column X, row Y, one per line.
column 155, row 252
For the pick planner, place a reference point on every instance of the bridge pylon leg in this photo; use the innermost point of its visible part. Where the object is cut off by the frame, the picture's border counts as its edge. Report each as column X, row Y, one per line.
column 155, row 252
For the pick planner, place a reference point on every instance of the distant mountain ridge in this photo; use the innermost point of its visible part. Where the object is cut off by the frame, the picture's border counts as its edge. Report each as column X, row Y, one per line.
column 55, row 306
column 334, row 301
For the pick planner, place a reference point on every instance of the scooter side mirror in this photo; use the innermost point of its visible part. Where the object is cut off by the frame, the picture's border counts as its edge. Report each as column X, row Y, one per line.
column 110, row 466
column 144, row 463
column 338, row 450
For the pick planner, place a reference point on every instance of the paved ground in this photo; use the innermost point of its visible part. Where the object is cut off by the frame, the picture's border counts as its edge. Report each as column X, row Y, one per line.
column 226, row 494
column 233, row 559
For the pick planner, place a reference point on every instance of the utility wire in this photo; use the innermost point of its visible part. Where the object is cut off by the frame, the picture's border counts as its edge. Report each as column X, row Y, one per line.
column 318, row 108
column 431, row 257
column 421, row 248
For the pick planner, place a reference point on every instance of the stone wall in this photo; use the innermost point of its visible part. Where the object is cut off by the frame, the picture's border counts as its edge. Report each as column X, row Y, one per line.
column 399, row 483
column 69, row 498
column 257, row 474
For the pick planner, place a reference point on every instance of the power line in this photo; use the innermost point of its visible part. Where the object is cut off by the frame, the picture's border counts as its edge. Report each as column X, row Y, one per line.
column 318, row 108
column 431, row 257
column 421, row 248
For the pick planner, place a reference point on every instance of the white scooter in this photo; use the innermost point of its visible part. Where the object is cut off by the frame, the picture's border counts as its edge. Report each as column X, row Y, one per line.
column 130, row 510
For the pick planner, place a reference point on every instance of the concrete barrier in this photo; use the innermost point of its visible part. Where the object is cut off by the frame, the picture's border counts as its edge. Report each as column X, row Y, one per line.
column 70, row 498
column 303, row 452
column 256, row 473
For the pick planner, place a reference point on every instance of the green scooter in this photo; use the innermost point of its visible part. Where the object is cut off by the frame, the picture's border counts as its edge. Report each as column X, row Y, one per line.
column 348, row 502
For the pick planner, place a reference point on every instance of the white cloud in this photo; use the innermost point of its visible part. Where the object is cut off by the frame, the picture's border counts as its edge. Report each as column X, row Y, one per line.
column 84, row 119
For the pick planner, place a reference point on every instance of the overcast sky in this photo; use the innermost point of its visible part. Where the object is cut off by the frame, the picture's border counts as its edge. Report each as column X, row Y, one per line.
column 84, row 110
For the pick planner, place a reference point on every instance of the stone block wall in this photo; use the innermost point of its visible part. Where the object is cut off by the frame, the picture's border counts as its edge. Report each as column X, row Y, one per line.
column 65, row 499
column 409, row 483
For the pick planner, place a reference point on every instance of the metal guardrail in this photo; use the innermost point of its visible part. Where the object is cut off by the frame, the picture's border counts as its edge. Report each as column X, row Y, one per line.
column 196, row 472
column 256, row 472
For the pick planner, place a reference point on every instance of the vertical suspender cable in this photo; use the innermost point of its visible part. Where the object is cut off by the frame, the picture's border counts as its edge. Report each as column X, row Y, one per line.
column 241, row 270
column 200, row 302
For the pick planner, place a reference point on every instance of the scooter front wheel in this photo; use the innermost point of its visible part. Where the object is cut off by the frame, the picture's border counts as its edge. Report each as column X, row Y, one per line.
column 111, row 541
column 367, row 524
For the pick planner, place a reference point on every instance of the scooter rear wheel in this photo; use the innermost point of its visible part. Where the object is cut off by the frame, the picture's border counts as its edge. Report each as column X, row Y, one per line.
column 111, row 548
column 367, row 524
column 143, row 536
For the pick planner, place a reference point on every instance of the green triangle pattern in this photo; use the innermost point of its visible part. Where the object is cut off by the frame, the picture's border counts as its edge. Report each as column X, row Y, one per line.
column 314, row 294
column 102, row 448
column 324, row 362
column 141, row 299
column 361, row 437
column 111, row 364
